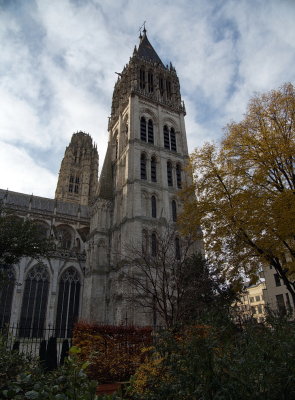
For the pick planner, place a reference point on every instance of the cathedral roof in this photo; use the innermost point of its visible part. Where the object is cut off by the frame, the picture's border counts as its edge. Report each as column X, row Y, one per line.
column 146, row 50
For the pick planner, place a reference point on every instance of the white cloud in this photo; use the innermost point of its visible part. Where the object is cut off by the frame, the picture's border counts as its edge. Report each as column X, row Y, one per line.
column 20, row 172
column 59, row 58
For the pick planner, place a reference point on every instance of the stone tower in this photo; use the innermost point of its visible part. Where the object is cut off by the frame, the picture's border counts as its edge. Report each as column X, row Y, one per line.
column 77, row 181
column 143, row 169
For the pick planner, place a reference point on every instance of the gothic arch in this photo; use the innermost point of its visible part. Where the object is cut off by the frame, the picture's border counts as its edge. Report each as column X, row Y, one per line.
column 34, row 301
column 69, row 287
column 65, row 236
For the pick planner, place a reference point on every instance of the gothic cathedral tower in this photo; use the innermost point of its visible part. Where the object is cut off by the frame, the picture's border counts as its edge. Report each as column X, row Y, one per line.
column 77, row 181
column 142, row 172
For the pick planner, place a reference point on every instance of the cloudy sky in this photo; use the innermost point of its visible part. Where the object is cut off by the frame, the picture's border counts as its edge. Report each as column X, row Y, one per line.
column 59, row 57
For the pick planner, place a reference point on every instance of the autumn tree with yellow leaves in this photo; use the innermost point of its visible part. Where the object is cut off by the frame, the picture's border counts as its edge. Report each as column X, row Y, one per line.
column 245, row 191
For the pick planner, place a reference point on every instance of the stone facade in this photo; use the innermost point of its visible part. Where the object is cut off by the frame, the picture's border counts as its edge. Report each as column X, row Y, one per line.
column 135, row 197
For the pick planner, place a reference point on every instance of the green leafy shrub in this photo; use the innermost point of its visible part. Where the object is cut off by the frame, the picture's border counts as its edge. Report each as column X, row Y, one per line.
column 22, row 378
column 218, row 362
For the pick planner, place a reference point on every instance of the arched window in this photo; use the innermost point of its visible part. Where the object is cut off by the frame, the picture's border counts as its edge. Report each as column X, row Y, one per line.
column 178, row 176
column 172, row 140
column 166, row 137
column 174, row 211
column 150, row 132
column 143, row 129
column 150, row 81
column 154, row 207
column 68, row 302
column 168, row 88
column 6, row 294
column 33, row 312
column 64, row 237
column 144, row 241
column 177, row 248
column 153, row 169
column 142, row 78
column 169, row 138
column 71, row 183
column 161, row 85
column 169, row 173
column 154, row 244
column 143, row 166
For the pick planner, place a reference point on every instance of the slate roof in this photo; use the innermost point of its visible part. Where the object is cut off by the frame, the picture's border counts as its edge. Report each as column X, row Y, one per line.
column 146, row 50
column 23, row 200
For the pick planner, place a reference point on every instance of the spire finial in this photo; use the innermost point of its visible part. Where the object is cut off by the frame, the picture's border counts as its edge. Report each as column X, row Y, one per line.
column 143, row 30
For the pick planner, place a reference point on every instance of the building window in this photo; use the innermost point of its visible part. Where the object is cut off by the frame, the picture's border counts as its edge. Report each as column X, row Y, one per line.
column 146, row 130
column 277, row 279
column 174, row 211
column 253, row 309
column 154, row 207
column 259, row 308
column 64, row 238
column 34, row 304
column 142, row 78
column 172, row 139
column 143, row 129
column 166, row 137
column 281, row 303
column 169, row 138
column 161, row 85
column 153, row 169
column 150, row 132
column 144, row 241
column 68, row 302
column 150, row 82
column 168, row 88
column 6, row 294
column 251, row 299
column 76, row 186
column 143, row 166
column 154, row 244
column 177, row 248
column 71, row 184
column 178, row 176
column 257, row 298
column 169, row 173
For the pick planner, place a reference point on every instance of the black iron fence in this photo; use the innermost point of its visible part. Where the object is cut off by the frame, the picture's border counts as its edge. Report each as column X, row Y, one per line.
column 43, row 343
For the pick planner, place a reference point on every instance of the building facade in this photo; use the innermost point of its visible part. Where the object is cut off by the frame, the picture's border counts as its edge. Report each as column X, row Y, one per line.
column 92, row 221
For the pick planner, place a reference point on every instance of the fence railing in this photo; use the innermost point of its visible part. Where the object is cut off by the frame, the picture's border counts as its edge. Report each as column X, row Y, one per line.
column 32, row 341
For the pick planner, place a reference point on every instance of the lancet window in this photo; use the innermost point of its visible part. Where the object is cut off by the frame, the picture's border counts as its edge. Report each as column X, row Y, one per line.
column 178, row 176
column 169, row 174
column 68, row 302
column 154, row 206
column 169, row 138
column 174, row 210
column 142, row 78
column 143, row 166
column 153, row 169
column 150, row 81
column 146, row 130
column 34, row 304
column 154, row 244
column 177, row 248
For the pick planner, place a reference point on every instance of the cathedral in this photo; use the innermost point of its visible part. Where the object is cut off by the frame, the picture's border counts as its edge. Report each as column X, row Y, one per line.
column 92, row 219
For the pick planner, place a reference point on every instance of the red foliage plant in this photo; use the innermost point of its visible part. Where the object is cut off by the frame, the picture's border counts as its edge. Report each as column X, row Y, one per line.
column 114, row 352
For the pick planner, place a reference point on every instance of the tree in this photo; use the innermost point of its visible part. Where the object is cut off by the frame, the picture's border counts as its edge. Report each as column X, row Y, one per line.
column 245, row 190
column 174, row 283
column 20, row 238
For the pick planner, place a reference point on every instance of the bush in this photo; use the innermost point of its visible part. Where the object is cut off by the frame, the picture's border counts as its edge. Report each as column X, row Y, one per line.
column 218, row 362
column 114, row 352
column 22, row 378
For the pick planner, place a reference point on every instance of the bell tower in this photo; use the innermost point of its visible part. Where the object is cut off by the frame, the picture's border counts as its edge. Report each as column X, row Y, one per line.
column 77, row 181
column 143, row 170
